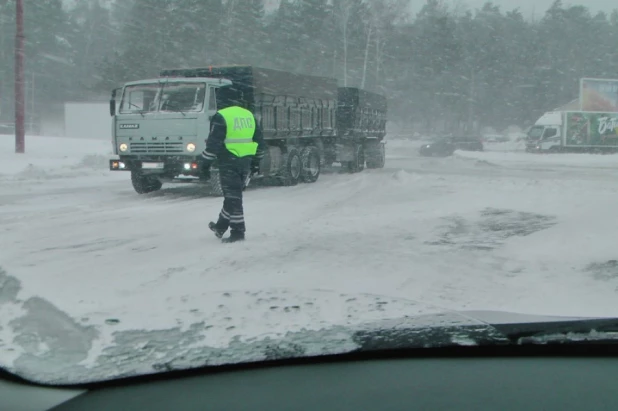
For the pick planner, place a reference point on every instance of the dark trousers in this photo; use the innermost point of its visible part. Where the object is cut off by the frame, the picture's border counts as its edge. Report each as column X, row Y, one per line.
column 233, row 173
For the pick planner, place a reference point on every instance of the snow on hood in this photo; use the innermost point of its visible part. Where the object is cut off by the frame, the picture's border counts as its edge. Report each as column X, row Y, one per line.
column 42, row 344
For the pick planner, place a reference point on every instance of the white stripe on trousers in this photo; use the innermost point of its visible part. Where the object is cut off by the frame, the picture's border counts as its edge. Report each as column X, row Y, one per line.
column 225, row 214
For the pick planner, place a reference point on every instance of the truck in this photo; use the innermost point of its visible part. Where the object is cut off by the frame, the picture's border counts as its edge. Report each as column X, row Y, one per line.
column 546, row 133
column 160, row 125
column 574, row 131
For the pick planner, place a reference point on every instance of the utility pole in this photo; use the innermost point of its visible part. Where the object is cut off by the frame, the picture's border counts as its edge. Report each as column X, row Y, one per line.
column 20, row 143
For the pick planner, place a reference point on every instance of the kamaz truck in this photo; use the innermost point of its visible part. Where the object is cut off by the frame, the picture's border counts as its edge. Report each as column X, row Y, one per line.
column 160, row 125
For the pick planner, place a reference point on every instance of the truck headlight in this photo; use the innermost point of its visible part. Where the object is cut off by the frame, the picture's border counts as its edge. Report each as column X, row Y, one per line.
column 190, row 147
column 123, row 147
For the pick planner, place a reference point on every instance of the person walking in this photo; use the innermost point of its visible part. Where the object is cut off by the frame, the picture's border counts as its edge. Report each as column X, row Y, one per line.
column 236, row 141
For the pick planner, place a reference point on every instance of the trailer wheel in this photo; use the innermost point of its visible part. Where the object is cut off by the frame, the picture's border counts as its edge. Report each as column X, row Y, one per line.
column 292, row 167
column 358, row 163
column 376, row 155
column 145, row 184
column 310, row 158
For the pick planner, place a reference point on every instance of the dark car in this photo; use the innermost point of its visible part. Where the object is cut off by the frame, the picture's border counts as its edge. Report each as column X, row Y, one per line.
column 468, row 143
column 442, row 148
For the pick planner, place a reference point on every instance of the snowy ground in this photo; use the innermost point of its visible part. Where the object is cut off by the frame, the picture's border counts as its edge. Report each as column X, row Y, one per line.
column 497, row 230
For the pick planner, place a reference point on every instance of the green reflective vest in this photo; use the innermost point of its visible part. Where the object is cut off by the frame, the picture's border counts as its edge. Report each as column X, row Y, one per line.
column 240, row 130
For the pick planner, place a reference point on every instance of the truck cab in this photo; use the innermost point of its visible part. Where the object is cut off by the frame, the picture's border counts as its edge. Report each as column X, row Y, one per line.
column 546, row 134
column 160, row 127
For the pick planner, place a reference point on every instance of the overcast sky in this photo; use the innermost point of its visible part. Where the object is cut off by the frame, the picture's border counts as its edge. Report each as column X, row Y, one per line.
column 529, row 7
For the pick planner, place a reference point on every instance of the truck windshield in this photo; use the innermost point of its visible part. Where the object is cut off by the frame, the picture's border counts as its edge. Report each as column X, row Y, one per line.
column 550, row 132
column 536, row 132
column 176, row 97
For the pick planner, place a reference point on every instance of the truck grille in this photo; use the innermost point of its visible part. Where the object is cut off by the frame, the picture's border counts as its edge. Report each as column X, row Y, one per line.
column 157, row 148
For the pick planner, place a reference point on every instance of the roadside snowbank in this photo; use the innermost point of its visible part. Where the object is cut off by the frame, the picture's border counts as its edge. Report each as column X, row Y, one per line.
column 537, row 160
column 52, row 157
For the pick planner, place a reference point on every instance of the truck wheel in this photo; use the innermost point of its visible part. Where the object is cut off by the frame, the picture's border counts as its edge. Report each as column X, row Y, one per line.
column 145, row 184
column 310, row 158
column 292, row 167
column 358, row 163
column 376, row 155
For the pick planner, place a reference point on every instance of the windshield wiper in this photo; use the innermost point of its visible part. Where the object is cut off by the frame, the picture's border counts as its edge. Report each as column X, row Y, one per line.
column 595, row 330
column 177, row 111
column 484, row 333
column 141, row 111
column 172, row 108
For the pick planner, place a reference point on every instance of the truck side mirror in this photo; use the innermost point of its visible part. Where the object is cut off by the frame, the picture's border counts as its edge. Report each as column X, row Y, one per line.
column 112, row 102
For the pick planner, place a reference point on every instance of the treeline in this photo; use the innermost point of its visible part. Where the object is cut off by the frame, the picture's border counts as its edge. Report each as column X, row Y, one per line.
column 442, row 69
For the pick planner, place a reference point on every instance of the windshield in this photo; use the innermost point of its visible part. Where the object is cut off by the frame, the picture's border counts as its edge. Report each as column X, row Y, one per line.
column 192, row 183
column 148, row 98
column 536, row 132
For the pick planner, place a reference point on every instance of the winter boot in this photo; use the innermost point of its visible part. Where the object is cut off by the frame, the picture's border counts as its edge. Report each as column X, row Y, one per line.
column 213, row 227
column 234, row 236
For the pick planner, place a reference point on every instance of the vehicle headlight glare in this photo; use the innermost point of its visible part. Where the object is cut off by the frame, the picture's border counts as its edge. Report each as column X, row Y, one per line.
column 191, row 147
column 124, row 147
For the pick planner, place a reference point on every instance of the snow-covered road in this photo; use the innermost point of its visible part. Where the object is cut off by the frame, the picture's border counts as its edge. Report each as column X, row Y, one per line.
column 477, row 231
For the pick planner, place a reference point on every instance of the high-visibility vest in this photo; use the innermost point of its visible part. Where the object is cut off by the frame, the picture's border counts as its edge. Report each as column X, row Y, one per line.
column 240, row 125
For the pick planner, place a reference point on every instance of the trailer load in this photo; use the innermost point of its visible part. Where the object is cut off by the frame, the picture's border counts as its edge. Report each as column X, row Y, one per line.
column 160, row 125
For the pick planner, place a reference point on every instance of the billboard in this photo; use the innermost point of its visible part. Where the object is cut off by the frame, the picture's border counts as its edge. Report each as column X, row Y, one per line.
column 598, row 95
column 598, row 129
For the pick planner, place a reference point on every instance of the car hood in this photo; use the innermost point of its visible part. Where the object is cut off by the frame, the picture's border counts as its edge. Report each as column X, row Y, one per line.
column 44, row 345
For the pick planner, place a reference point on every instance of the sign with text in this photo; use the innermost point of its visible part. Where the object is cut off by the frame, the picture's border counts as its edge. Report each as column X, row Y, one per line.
column 598, row 95
column 592, row 129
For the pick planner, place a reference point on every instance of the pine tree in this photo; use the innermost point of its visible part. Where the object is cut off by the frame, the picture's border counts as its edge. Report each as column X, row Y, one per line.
column 49, row 57
column 245, row 31
column 283, row 33
column 314, row 25
column 92, row 39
